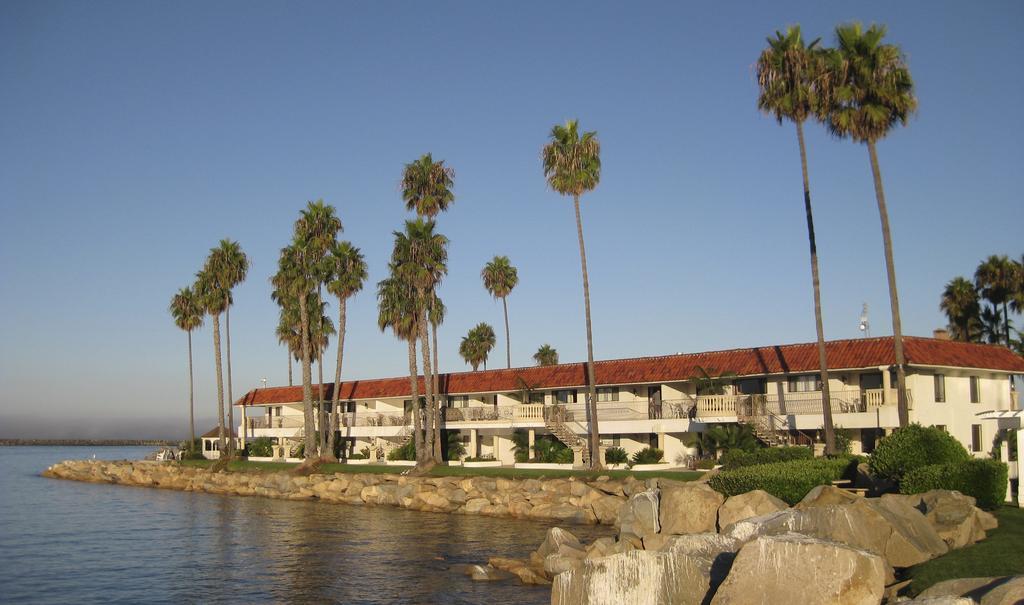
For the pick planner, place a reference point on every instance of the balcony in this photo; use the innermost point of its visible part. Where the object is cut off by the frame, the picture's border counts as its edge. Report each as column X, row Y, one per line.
column 843, row 402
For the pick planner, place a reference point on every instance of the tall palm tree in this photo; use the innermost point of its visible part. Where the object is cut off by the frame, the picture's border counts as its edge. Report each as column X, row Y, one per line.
column 476, row 345
column 427, row 190
column 420, row 258
column 960, row 304
column 396, row 303
column 1017, row 296
column 789, row 74
column 996, row 279
column 318, row 225
column 870, row 93
column 572, row 166
column 992, row 327
column 210, row 292
column 347, row 275
column 233, row 265
column 546, row 355
column 294, row 280
column 500, row 277
column 188, row 315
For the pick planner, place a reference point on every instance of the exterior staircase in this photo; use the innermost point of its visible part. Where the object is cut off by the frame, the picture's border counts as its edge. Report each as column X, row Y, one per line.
column 771, row 429
column 554, row 420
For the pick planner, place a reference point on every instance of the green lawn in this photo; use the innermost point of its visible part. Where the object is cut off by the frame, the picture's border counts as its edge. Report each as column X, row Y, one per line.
column 1001, row 554
column 452, row 471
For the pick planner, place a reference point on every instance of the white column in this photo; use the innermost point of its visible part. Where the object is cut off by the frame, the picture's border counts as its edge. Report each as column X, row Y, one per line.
column 473, row 450
column 532, row 436
column 245, row 427
column 886, row 385
column 1004, row 455
column 1020, row 465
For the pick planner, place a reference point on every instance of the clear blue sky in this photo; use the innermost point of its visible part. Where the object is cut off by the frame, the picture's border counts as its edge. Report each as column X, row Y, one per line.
column 134, row 136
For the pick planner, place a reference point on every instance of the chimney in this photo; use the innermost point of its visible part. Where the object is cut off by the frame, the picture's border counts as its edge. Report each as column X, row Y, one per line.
column 940, row 334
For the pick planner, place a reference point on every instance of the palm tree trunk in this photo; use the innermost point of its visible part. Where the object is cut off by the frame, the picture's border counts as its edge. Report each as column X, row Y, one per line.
column 894, row 300
column 508, row 343
column 414, row 391
column 826, row 397
column 220, row 384
column 595, row 462
column 231, row 398
column 428, row 384
column 307, row 383
column 289, row 349
column 191, row 398
column 321, row 412
column 437, row 395
column 337, row 376
column 1006, row 324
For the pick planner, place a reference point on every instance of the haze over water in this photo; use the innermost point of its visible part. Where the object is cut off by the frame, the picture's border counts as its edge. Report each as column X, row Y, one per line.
column 64, row 541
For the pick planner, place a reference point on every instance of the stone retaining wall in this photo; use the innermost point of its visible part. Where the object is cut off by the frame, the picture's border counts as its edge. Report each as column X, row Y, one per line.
column 565, row 500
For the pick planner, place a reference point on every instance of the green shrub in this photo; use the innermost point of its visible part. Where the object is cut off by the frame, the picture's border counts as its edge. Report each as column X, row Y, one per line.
column 789, row 481
column 358, row 457
column 984, row 480
column 734, row 459
column 615, row 455
column 648, row 455
column 260, row 447
column 706, row 464
column 299, row 451
column 406, row 452
column 912, row 447
column 480, row 459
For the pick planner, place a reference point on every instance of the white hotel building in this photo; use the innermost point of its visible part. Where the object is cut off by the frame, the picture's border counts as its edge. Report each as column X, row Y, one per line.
column 654, row 401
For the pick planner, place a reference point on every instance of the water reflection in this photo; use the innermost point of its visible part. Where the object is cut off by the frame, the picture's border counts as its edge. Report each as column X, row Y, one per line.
column 64, row 541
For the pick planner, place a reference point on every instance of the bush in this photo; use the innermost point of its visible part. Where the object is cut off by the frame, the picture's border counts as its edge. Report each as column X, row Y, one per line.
column 615, row 455
column 706, row 464
column 260, row 447
column 358, row 457
column 480, row 459
column 406, row 452
column 734, row 459
column 788, row 481
column 912, row 447
column 984, row 480
column 648, row 455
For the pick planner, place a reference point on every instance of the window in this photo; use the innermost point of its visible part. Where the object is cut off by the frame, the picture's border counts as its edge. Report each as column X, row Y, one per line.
column 608, row 394
column 350, row 406
column 751, row 386
column 975, row 391
column 566, row 396
column 941, row 427
column 940, row 388
column 975, row 437
column 327, row 407
column 805, row 384
column 616, row 440
column 537, row 398
column 458, row 401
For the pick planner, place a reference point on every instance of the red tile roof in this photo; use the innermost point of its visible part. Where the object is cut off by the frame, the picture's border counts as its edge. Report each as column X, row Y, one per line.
column 780, row 359
column 214, row 433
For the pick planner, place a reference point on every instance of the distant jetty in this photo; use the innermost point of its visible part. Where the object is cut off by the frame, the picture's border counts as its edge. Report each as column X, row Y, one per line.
column 94, row 442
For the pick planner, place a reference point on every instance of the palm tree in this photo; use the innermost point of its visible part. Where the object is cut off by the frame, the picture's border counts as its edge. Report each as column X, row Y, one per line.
column 427, row 190
column 318, row 225
column 960, row 304
column 477, row 344
column 996, row 279
column 210, row 292
column 436, row 313
column 870, row 92
column 572, row 166
column 233, row 265
column 293, row 280
column 188, row 316
column 347, row 275
column 789, row 73
column 992, row 326
column 1017, row 296
column 500, row 277
column 546, row 355
column 396, row 302
column 427, row 186
column 420, row 258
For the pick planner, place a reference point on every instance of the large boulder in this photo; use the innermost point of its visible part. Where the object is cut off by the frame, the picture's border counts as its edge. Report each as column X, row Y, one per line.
column 559, row 551
column 1006, row 590
column 638, row 517
column 954, row 516
column 689, row 508
column 888, row 531
column 751, row 504
column 606, row 508
column 719, row 549
column 555, row 539
column 824, row 495
column 638, row 577
column 793, row 568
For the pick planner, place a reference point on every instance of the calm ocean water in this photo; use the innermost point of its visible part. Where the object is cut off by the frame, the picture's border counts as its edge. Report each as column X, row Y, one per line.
column 69, row 542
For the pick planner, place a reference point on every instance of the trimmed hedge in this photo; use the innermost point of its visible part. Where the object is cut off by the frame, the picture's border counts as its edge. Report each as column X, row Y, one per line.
column 648, row 455
column 788, row 481
column 734, row 459
column 616, row 455
column 984, row 480
column 912, row 447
